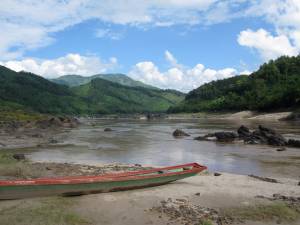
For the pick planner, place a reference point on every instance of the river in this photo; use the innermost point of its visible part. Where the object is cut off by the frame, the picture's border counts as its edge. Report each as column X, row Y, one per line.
column 151, row 143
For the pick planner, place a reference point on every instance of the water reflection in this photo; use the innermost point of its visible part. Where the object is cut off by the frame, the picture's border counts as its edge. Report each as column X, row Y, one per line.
column 152, row 143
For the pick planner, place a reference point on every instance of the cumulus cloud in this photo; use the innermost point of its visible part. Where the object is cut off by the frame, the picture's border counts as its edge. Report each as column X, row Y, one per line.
column 269, row 46
column 29, row 24
column 69, row 64
column 179, row 78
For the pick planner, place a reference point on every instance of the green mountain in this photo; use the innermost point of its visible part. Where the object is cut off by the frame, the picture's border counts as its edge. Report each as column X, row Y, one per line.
column 76, row 80
column 29, row 92
column 275, row 85
column 108, row 97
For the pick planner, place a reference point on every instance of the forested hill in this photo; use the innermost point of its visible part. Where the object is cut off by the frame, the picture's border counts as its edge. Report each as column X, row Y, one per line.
column 109, row 97
column 30, row 92
column 274, row 86
column 76, row 80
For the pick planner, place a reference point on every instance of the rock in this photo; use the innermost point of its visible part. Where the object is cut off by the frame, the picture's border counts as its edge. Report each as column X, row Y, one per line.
column 299, row 183
column 108, row 129
column 217, row 174
column 179, row 133
column 244, row 132
column 294, row 143
column 197, row 194
column 207, row 137
column 281, row 149
column 273, row 138
column 295, row 116
column 19, row 156
column 53, row 141
column 271, row 180
column 37, row 135
column 226, row 136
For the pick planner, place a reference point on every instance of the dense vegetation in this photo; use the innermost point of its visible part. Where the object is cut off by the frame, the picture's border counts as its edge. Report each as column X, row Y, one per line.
column 108, row 97
column 276, row 85
column 76, row 80
column 26, row 93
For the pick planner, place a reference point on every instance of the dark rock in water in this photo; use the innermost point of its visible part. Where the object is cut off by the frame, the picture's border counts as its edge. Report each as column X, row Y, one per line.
column 53, row 141
column 294, row 143
column 19, row 156
column 179, row 133
column 244, row 132
column 272, row 137
column 281, row 149
column 217, row 174
column 207, row 137
column 37, row 135
column 108, row 129
column 151, row 116
column 197, row 194
column 226, row 136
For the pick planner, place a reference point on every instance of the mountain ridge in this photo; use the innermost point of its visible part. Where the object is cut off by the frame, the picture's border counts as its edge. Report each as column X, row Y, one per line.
column 76, row 80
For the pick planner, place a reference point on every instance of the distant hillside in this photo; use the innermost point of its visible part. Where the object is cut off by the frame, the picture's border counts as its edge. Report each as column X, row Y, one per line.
column 28, row 92
column 276, row 85
column 108, row 97
column 76, row 80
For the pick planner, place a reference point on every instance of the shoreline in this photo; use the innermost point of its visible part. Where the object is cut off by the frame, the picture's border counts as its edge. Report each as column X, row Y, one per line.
column 208, row 197
column 204, row 197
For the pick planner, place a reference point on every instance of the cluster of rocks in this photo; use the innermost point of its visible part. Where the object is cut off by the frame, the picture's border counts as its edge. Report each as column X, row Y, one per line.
column 51, row 122
column 180, row 210
column 262, row 135
column 290, row 201
column 69, row 122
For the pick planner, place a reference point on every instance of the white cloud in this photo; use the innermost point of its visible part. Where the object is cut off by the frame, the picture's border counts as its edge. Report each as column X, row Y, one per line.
column 107, row 33
column 30, row 24
column 69, row 64
column 269, row 46
column 180, row 78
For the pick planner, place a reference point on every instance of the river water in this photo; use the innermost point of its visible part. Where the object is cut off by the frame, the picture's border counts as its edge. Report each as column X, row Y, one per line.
column 151, row 143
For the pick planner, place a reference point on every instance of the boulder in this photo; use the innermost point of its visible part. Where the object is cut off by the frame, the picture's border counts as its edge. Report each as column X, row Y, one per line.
column 108, row 129
column 179, row 133
column 244, row 131
column 226, row 136
column 294, row 143
column 273, row 138
column 19, row 156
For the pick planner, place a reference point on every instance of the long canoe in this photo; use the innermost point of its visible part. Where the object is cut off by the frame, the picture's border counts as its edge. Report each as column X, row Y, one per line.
column 80, row 185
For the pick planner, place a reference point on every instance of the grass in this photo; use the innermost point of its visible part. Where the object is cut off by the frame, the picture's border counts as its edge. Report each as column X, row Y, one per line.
column 277, row 211
column 10, row 167
column 50, row 211
column 206, row 222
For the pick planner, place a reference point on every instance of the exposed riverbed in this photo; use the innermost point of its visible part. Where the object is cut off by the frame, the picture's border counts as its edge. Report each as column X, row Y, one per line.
column 151, row 143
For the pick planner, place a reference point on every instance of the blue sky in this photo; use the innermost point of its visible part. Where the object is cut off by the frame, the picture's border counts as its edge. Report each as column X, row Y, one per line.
column 178, row 44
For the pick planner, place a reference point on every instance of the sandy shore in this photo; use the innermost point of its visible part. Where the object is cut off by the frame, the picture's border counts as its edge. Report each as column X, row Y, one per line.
column 155, row 205
column 243, row 115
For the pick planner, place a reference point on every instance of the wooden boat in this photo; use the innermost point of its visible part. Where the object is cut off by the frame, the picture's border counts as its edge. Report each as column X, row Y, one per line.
column 80, row 185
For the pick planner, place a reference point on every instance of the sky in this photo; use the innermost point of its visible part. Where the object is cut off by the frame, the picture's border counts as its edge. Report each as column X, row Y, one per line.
column 176, row 44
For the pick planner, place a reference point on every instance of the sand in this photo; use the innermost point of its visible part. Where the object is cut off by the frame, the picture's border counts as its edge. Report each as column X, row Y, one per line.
column 206, row 190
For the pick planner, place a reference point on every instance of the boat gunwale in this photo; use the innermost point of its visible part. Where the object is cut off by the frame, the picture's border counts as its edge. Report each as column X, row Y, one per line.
column 124, row 176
